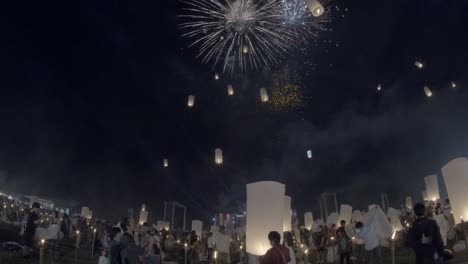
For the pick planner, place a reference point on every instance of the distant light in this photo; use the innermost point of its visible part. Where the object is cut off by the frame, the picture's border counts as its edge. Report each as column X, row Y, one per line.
column 245, row 49
column 309, row 154
column 216, row 76
column 427, row 91
column 419, row 64
column 230, row 89
column 454, row 84
column 379, row 87
column 166, row 163
column 263, row 95
column 191, row 101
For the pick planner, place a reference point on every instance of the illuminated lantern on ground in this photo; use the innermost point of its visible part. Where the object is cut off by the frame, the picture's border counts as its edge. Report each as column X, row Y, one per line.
column 166, row 163
column 287, row 214
column 456, row 180
column 265, row 210
column 230, row 89
column 315, row 7
column 409, row 202
column 394, row 216
column 263, row 95
column 346, row 211
column 197, row 226
column 418, row 64
column 308, row 220
column 218, row 156
column 424, row 195
column 432, row 187
column 309, row 154
column 427, row 91
column 191, row 101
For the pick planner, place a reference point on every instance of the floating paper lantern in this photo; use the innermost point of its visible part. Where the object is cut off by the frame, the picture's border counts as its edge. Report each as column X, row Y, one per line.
column 191, row 100
column 456, row 180
column 166, row 163
column 287, row 214
column 230, row 89
column 379, row 87
column 432, row 187
column 346, row 211
column 245, row 49
column 409, row 202
column 424, row 195
column 427, row 91
column 315, row 7
column 309, row 154
column 265, row 208
column 418, row 64
column 216, row 76
column 308, row 220
column 263, row 95
column 197, row 226
column 218, row 156
column 453, row 84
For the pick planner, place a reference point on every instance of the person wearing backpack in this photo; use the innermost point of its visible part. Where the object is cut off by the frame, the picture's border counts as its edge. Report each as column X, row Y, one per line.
column 425, row 239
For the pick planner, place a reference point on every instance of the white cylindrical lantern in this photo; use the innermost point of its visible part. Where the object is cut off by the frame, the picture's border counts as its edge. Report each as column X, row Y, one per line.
column 309, row 154
column 308, row 220
column 166, row 163
column 427, row 91
column 315, row 7
column 456, row 180
column 418, row 64
column 379, row 87
column 346, row 211
column 197, row 226
column 143, row 216
column 218, row 156
column 230, row 89
column 265, row 209
column 191, row 101
column 394, row 216
column 245, row 49
column 453, row 84
column 432, row 187
column 332, row 219
column 287, row 214
column 216, row 76
column 409, row 202
column 424, row 195
column 263, row 95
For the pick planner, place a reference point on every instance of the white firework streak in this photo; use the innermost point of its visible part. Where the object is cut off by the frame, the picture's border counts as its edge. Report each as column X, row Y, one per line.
column 249, row 31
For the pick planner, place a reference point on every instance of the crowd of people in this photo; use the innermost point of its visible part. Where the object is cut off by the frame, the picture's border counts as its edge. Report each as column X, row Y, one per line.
column 125, row 242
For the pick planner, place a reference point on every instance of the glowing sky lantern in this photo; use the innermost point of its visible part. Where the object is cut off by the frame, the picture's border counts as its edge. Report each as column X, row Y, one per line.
column 379, row 87
column 456, row 180
column 218, row 156
column 419, row 64
column 263, row 95
column 230, row 89
column 143, row 215
column 315, row 7
column 166, row 163
column 308, row 220
column 191, row 100
column 287, row 214
column 216, row 76
column 424, row 195
column 453, row 84
column 265, row 210
column 409, row 202
column 432, row 187
column 309, row 154
column 245, row 49
column 427, row 91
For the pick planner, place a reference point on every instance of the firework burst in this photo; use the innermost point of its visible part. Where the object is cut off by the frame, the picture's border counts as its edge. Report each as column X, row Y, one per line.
column 237, row 34
column 287, row 94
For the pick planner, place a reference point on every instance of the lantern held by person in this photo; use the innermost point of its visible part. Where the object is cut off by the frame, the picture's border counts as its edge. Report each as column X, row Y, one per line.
column 432, row 187
column 287, row 214
column 308, row 220
column 456, row 180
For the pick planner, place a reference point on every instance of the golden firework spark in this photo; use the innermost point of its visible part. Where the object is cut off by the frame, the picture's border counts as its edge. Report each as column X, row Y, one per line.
column 286, row 98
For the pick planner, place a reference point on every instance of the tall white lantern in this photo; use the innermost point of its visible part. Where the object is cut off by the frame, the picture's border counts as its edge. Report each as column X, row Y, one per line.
column 308, row 220
column 230, row 89
column 265, row 209
column 309, row 154
column 409, row 202
column 287, row 214
column 263, row 95
column 432, row 187
column 456, row 180
column 166, row 163
column 143, row 215
column 315, row 7
column 394, row 216
column 424, row 195
column 197, row 226
column 191, row 101
column 427, row 91
column 346, row 211
column 218, row 156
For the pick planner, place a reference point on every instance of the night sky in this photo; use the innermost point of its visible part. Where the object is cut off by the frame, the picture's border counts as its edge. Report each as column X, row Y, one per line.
column 93, row 98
